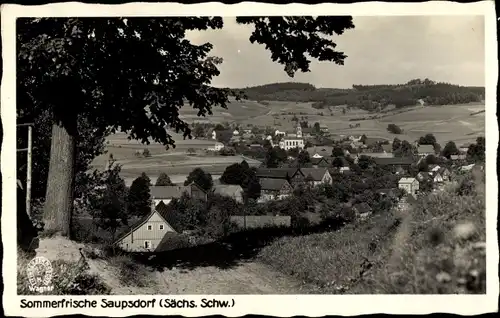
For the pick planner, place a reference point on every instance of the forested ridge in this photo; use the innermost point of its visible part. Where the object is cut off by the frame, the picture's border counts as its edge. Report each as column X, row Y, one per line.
column 369, row 97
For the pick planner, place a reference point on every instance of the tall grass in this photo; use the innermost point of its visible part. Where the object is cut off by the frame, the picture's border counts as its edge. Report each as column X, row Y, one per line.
column 434, row 247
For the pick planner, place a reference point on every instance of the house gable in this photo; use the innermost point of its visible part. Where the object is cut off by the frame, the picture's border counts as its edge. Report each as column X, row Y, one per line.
column 149, row 230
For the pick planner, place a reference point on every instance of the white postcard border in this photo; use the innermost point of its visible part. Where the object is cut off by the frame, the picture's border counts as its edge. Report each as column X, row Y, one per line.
column 286, row 305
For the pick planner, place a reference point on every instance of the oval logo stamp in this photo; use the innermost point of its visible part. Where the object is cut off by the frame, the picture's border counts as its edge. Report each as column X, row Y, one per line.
column 39, row 271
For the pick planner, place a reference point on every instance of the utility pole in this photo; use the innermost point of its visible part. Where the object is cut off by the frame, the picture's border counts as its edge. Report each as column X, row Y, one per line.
column 28, row 167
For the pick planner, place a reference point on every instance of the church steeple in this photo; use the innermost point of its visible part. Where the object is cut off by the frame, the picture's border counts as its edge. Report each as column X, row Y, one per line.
column 299, row 130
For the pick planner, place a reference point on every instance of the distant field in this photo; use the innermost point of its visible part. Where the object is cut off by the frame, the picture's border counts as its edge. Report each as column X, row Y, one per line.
column 175, row 162
column 236, row 111
column 452, row 122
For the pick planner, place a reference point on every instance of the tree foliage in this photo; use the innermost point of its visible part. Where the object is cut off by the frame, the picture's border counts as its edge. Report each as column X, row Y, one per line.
column 134, row 74
column 275, row 157
column 450, row 149
column 371, row 98
column 477, row 151
column 395, row 129
column 201, row 178
column 108, row 202
column 428, row 139
column 163, row 180
column 139, row 196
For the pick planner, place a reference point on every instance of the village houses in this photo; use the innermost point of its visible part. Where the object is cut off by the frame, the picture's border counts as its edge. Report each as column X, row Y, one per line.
column 274, row 189
column 317, row 175
column 166, row 194
column 410, row 185
column 229, row 190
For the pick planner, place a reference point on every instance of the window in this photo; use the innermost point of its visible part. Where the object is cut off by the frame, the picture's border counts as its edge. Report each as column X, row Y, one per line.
column 147, row 244
column 150, row 227
column 162, row 226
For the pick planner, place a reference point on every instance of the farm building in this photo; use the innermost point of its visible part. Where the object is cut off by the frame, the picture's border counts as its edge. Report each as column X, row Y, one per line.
column 274, row 189
column 147, row 234
column 458, row 157
column 410, row 185
column 464, row 148
column 320, row 151
column 229, row 190
column 400, row 164
column 317, row 175
column 320, row 162
column 217, row 146
column 425, row 150
column 374, row 155
column 166, row 194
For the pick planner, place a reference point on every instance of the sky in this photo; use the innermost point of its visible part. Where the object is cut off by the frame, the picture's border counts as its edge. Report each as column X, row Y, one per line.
column 380, row 50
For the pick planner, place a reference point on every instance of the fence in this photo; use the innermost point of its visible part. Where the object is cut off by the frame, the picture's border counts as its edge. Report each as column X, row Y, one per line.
column 259, row 221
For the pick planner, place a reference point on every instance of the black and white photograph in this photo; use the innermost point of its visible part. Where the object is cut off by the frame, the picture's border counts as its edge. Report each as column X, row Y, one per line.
column 237, row 154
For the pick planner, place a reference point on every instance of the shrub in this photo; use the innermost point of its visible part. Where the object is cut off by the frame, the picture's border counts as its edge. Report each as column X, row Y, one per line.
column 131, row 273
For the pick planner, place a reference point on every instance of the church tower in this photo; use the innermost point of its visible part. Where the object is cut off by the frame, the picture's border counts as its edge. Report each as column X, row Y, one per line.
column 299, row 130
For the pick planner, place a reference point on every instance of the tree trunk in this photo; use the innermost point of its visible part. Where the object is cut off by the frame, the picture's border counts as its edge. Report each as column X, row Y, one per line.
column 59, row 195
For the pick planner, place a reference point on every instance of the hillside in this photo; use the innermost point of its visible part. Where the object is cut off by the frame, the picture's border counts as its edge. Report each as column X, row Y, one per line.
column 369, row 97
column 436, row 247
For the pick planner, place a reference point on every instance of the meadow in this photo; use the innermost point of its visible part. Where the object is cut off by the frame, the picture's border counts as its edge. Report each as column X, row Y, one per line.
column 177, row 162
column 449, row 122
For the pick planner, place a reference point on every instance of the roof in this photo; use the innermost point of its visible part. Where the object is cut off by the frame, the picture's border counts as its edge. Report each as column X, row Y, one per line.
column 344, row 161
column 425, row 149
column 458, row 157
column 161, row 209
column 170, row 192
column 230, row 190
column 272, row 184
column 394, row 161
column 317, row 174
column 307, row 130
column 377, row 154
column 362, row 207
column 275, row 173
column 387, row 148
column 316, row 161
column 407, row 180
column 325, row 151
column 167, row 192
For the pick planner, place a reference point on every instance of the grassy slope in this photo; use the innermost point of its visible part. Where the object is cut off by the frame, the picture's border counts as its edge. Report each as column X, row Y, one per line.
column 417, row 252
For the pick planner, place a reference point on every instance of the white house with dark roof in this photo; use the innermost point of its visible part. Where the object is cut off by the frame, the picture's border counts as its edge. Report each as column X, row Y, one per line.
column 410, row 185
column 146, row 234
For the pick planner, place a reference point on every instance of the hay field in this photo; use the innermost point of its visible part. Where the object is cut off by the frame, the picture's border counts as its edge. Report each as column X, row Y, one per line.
column 176, row 162
column 450, row 122
column 236, row 111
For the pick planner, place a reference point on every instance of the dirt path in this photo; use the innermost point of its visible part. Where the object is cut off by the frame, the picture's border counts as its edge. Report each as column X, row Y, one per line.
column 246, row 278
column 243, row 278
